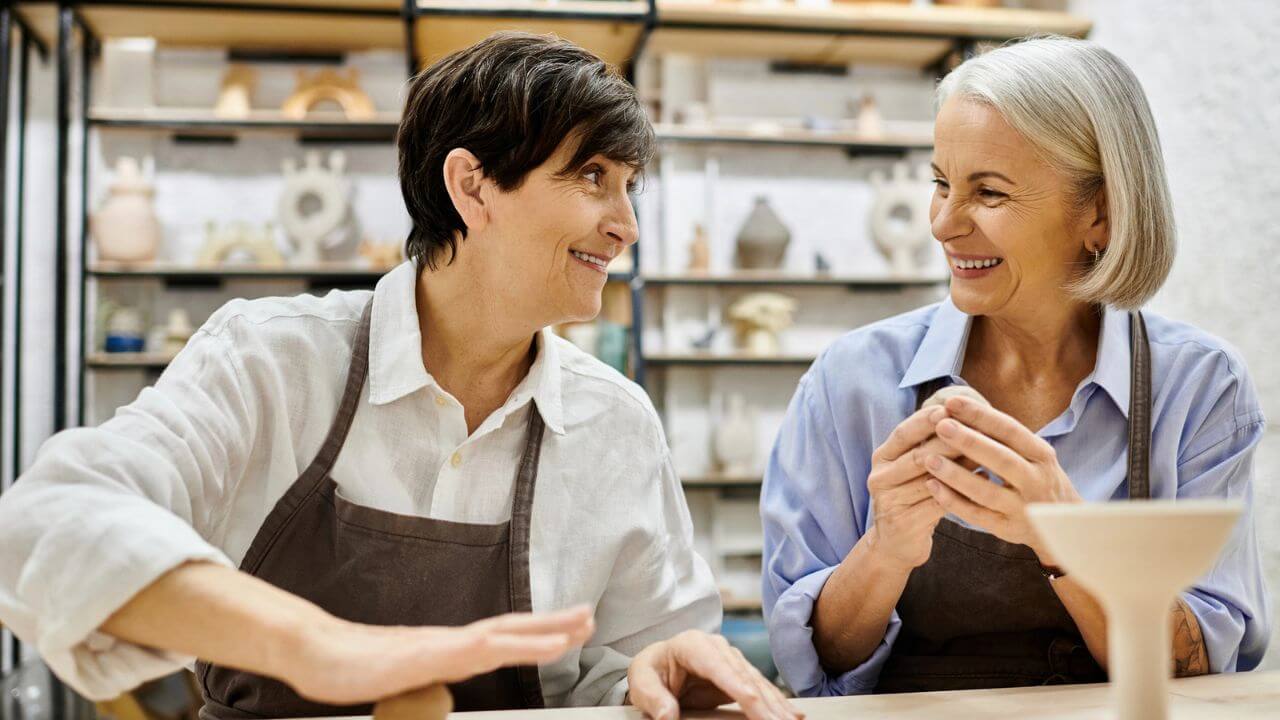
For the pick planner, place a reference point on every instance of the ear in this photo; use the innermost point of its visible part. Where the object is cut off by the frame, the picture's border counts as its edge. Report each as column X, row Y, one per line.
column 1097, row 225
column 464, row 179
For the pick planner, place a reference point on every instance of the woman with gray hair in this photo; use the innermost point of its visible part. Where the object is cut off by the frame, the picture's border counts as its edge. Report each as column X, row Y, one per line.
column 898, row 555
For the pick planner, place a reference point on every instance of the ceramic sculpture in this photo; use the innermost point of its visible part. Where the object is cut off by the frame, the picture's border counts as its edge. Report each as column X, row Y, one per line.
column 900, row 216
column 178, row 331
column 235, row 99
column 239, row 238
column 758, row 318
column 699, row 251
column 870, row 123
column 734, row 443
column 329, row 85
column 125, row 227
column 315, row 207
column 430, row 703
column 763, row 239
column 1135, row 557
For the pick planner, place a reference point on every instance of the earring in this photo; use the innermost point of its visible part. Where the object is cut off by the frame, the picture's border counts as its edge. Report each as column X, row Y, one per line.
column 1096, row 255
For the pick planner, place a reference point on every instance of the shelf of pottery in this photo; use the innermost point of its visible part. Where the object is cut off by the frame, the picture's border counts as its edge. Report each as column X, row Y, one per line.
column 763, row 253
column 210, row 180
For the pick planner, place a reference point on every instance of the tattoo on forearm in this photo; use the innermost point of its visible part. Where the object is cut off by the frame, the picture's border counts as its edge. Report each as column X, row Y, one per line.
column 1189, row 654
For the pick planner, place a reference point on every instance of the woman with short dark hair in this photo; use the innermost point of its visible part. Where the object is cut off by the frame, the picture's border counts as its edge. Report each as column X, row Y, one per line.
column 427, row 456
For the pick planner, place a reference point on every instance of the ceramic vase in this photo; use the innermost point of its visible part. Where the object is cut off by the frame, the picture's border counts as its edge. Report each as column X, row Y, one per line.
column 763, row 239
column 735, row 438
column 125, row 227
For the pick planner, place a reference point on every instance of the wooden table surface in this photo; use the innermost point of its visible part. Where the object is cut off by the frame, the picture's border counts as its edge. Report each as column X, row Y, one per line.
column 1234, row 696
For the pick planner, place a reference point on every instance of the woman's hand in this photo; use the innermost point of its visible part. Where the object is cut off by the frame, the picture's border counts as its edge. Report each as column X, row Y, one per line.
column 345, row 663
column 1025, row 462
column 698, row 671
column 906, row 513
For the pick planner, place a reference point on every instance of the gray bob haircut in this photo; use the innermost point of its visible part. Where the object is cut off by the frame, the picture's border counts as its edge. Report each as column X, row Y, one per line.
column 1083, row 109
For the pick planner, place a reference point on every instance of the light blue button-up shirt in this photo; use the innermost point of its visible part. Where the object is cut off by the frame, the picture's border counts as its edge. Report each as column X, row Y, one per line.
column 1206, row 422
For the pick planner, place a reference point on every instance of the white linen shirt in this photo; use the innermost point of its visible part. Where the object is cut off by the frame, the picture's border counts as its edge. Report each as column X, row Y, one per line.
column 191, row 469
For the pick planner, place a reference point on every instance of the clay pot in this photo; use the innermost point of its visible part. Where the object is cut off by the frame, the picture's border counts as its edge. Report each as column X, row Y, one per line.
column 763, row 239
column 125, row 228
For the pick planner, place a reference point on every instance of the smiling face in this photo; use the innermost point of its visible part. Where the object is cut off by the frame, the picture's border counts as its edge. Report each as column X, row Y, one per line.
column 1004, row 217
column 553, row 237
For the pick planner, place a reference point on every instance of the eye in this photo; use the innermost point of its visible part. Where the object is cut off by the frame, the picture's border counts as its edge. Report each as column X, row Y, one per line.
column 940, row 183
column 594, row 174
column 991, row 194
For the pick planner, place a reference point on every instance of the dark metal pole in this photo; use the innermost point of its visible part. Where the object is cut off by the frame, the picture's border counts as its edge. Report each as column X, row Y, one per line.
column 19, row 234
column 88, row 48
column 60, row 222
column 410, row 15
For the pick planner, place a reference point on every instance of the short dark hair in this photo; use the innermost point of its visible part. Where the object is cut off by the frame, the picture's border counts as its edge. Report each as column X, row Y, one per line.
column 510, row 100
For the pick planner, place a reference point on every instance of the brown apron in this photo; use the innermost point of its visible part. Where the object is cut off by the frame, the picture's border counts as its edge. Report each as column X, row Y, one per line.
column 380, row 568
column 980, row 613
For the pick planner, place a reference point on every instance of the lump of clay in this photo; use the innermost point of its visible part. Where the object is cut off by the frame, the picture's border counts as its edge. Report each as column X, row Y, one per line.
column 429, row 703
column 942, row 396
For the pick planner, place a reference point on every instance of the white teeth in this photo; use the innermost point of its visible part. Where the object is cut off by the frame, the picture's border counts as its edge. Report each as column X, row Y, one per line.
column 597, row 261
column 976, row 264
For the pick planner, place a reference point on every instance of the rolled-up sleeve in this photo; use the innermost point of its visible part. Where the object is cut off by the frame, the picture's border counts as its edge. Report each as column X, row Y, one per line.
column 813, row 514
column 104, row 511
column 1231, row 601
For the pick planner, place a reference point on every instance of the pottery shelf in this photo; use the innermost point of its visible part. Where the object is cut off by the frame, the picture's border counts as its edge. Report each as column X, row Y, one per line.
column 717, row 359
column 777, row 279
column 733, row 604
column 718, row 482
column 202, row 123
column 336, row 274
column 852, row 143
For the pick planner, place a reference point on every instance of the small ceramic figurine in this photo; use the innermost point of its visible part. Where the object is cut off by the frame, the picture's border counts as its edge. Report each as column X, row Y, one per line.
column 735, row 438
column 870, row 122
column 381, row 256
column 235, row 99
column 125, row 227
column 178, row 331
column 699, row 251
column 758, row 318
column 763, row 239
column 327, row 84
column 900, row 216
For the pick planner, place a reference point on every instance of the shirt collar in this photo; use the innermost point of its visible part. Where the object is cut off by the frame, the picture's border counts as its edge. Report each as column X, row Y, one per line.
column 941, row 352
column 395, row 353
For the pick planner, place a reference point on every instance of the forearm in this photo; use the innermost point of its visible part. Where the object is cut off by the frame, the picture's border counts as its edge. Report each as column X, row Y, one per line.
column 854, row 608
column 220, row 615
column 1190, row 656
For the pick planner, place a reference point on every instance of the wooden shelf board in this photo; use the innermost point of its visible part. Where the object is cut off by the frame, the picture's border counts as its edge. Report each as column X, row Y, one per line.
column 258, row 30
column 788, row 137
column 749, row 278
column 200, row 121
column 726, row 359
column 127, row 360
column 741, row 605
column 613, row 41
column 938, row 21
column 808, row 48
column 43, row 19
column 712, row 482
column 163, row 270
column 634, row 10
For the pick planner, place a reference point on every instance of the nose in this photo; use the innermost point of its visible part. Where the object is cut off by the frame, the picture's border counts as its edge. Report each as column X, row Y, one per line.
column 620, row 224
column 948, row 219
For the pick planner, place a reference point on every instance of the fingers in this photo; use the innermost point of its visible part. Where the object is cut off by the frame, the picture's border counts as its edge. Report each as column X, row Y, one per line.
column 909, row 433
column 974, row 487
column 1001, row 427
column 992, row 454
column 712, row 658
column 647, row 690
column 777, row 702
column 910, row 464
column 573, row 621
column 964, row 508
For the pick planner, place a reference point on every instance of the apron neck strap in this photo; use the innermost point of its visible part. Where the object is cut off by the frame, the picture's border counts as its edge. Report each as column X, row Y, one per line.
column 356, row 374
column 1139, row 408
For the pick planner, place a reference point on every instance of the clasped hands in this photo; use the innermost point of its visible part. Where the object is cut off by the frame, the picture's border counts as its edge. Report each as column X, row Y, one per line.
column 929, row 466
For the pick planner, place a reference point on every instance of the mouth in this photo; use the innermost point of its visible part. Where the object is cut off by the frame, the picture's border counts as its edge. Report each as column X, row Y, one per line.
column 973, row 266
column 599, row 263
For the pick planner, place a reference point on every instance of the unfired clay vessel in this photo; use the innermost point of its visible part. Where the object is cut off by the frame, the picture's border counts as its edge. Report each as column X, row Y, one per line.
column 1135, row 557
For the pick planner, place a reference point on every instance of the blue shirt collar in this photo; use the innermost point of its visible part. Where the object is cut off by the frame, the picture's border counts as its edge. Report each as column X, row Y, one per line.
column 941, row 353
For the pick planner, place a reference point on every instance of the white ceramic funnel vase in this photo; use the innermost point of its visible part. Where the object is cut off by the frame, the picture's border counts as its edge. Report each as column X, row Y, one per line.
column 1135, row 557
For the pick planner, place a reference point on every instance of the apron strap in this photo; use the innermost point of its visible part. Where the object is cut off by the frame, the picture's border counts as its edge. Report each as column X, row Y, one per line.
column 521, row 517
column 359, row 369
column 1139, row 409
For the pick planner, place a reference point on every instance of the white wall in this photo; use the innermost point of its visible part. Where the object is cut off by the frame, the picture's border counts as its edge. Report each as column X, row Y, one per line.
column 1213, row 78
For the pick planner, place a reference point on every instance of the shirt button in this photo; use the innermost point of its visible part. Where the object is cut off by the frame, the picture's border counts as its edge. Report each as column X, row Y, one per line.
column 456, row 460
column 441, row 401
